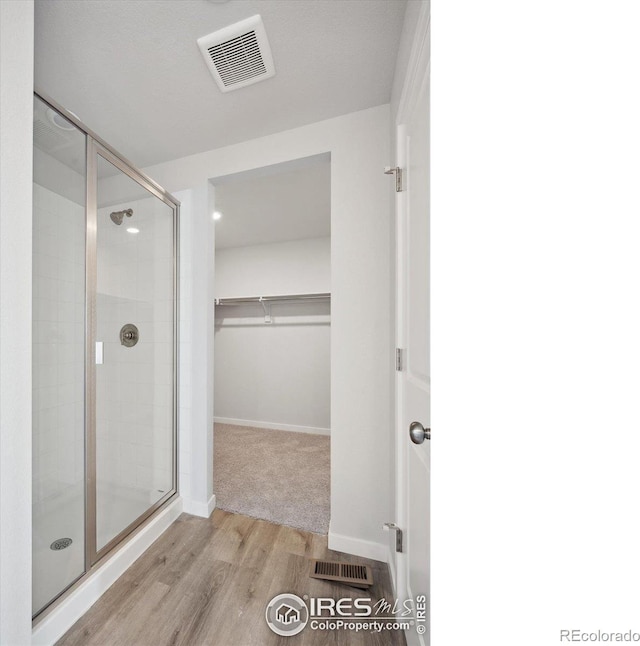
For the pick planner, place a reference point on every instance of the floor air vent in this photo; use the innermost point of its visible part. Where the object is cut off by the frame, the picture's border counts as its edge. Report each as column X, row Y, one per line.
column 358, row 576
column 238, row 55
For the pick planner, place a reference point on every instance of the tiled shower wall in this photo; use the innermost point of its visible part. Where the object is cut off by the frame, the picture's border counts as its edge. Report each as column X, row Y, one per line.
column 135, row 385
column 58, row 348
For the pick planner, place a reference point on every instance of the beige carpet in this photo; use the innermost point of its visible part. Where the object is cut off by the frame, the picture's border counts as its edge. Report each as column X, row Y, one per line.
column 278, row 476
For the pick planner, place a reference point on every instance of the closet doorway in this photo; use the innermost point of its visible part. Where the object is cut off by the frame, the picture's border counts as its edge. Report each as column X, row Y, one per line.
column 272, row 383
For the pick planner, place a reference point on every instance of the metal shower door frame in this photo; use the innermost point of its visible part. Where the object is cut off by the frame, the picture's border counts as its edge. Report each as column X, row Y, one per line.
column 95, row 146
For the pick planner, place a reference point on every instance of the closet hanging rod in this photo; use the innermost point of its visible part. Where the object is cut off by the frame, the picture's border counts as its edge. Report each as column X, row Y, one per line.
column 270, row 299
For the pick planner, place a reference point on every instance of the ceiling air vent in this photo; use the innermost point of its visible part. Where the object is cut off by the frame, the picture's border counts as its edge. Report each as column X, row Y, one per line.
column 238, row 55
column 49, row 135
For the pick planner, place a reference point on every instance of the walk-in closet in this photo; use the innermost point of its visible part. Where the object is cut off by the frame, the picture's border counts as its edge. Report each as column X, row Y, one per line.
column 272, row 343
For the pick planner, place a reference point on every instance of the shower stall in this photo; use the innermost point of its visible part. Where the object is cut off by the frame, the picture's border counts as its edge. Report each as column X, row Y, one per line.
column 104, row 350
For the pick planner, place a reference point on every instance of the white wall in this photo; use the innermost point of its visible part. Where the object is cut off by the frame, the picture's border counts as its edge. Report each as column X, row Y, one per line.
column 405, row 59
column 295, row 267
column 195, row 450
column 274, row 375
column 361, row 326
column 16, row 141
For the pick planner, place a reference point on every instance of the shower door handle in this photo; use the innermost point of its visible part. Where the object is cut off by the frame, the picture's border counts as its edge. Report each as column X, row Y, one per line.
column 99, row 353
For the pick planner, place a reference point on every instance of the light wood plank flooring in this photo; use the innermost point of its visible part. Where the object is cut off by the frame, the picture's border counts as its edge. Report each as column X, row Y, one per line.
column 206, row 582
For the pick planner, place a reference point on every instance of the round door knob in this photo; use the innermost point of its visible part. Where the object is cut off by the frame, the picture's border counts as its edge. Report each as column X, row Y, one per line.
column 419, row 433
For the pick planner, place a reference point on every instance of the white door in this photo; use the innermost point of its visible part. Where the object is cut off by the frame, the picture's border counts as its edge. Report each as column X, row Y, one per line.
column 413, row 381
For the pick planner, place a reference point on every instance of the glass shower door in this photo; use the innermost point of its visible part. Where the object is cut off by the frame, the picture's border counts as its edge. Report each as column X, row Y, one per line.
column 134, row 351
column 59, row 182
column 104, row 351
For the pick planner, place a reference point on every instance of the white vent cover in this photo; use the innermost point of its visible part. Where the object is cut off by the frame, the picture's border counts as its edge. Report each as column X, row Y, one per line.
column 48, row 137
column 238, row 55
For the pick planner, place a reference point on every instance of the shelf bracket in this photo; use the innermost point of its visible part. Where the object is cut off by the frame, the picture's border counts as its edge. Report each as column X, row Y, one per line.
column 267, row 311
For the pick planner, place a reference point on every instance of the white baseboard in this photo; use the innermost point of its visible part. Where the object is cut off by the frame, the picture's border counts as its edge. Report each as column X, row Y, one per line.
column 57, row 622
column 391, row 562
column 272, row 425
column 197, row 508
column 358, row 546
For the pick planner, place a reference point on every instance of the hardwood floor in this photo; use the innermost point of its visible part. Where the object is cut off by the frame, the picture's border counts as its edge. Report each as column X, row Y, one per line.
column 207, row 582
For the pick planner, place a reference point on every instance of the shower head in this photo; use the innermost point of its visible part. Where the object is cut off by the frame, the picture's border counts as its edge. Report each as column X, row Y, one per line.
column 118, row 216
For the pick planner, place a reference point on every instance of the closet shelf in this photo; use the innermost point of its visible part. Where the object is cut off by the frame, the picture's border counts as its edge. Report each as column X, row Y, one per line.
column 272, row 299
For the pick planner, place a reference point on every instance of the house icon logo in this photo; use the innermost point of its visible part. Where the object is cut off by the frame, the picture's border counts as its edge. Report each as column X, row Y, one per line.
column 287, row 615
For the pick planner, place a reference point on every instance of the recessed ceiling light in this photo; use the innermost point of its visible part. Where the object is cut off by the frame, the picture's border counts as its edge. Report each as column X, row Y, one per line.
column 133, row 230
column 217, row 215
column 59, row 121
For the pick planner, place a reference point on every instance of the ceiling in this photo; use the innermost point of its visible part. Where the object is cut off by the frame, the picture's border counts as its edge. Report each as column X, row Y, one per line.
column 288, row 201
column 133, row 73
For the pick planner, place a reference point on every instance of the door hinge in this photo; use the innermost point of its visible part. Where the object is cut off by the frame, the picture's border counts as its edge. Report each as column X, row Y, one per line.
column 399, row 359
column 397, row 171
column 393, row 526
